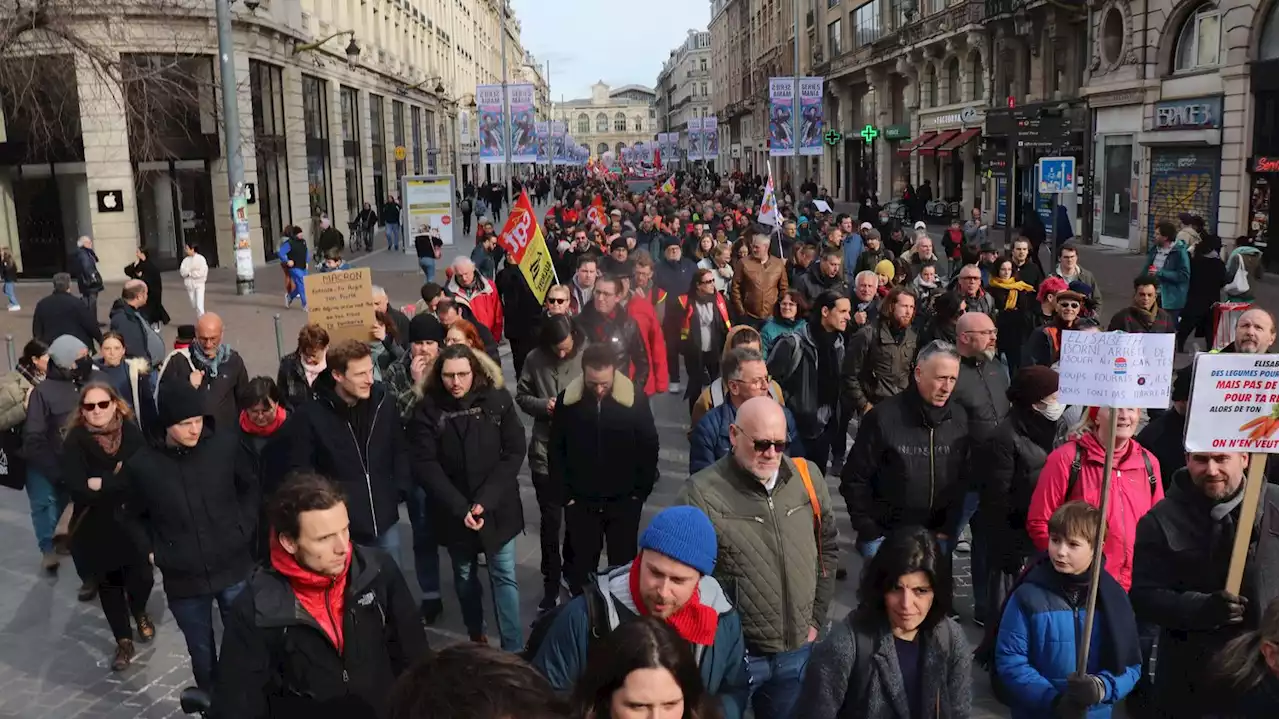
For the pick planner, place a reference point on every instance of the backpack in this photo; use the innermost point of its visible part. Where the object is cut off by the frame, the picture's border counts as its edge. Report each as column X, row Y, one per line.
column 1073, row 477
column 597, row 621
column 985, row 654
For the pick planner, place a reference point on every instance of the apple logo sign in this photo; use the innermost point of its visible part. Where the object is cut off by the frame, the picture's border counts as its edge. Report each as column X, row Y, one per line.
column 110, row 201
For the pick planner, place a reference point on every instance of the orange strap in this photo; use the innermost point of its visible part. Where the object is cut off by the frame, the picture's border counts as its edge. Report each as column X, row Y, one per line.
column 802, row 468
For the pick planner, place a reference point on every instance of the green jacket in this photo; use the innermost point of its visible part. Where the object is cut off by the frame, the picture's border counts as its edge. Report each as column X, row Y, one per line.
column 13, row 399
column 777, row 568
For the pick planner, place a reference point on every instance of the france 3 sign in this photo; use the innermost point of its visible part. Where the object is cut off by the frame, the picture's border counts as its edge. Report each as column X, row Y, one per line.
column 1235, row 404
column 1116, row 369
column 1056, row 175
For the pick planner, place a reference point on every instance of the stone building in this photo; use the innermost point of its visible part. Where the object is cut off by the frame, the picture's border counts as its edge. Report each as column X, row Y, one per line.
column 611, row 118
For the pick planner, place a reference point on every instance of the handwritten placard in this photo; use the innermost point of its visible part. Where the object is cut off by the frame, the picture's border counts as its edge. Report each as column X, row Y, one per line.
column 1115, row 369
column 1235, row 404
column 342, row 303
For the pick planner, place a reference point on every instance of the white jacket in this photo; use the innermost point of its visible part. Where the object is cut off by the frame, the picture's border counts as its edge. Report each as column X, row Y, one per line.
column 194, row 271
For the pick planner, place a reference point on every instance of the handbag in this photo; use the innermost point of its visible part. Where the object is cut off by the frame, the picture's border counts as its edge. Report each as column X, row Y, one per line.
column 1239, row 284
column 13, row 466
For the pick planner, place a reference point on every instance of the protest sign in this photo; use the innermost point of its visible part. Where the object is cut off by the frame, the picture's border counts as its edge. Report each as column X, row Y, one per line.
column 1235, row 404
column 1115, row 369
column 525, row 246
column 342, row 303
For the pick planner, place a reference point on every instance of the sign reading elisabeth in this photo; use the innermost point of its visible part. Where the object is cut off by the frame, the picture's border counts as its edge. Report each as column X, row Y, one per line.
column 342, row 303
column 1115, row 369
column 1235, row 404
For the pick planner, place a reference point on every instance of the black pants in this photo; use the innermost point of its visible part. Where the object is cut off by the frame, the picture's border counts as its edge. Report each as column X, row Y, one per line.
column 550, row 511
column 702, row 369
column 520, row 349
column 840, row 437
column 614, row 523
column 671, row 335
column 466, row 223
column 124, row 593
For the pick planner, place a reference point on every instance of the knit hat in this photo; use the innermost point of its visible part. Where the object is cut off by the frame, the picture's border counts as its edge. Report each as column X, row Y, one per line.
column 685, row 534
column 65, row 350
column 618, row 244
column 669, row 241
column 885, row 267
column 424, row 327
column 1084, row 288
column 178, row 400
column 1032, row 384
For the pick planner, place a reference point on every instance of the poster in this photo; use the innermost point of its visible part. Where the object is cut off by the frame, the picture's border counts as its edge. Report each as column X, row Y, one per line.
column 560, row 153
column 811, row 120
column 695, row 139
column 342, row 303
column 781, row 143
column 428, row 207
column 464, row 128
column 543, row 130
column 710, row 138
column 1235, row 404
column 492, row 129
column 524, row 140
column 1115, row 369
column 525, row 246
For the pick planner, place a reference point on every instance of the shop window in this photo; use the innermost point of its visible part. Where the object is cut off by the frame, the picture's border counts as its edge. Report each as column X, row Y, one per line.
column 397, row 137
column 1269, row 47
column 266, row 90
column 351, row 149
column 378, row 146
column 1200, row 40
column 172, row 106
column 415, row 123
column 315, row 120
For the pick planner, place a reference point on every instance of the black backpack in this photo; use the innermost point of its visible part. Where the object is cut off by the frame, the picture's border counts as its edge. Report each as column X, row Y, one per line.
column 1073, row 477
column 985, row 654
column 597, row 620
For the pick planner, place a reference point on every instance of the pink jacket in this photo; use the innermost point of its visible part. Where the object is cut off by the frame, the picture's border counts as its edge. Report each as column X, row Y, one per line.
column 1132, row 494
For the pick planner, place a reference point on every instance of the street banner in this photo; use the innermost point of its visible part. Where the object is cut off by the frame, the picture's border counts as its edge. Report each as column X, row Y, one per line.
column 524, row 139
column 768, row 214
column 492, row 128
column 695, row 140
column 525, row 246
column 811, row 119
column 1115, row 369
column 560, row 150
column 342, row 303
column 781, row 105
column 464, row 129
column 428, row 207
column 1235, row 404
column 543, row 130
column 710, row 138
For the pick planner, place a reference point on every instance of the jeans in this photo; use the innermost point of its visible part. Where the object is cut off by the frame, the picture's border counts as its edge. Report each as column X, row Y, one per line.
column 428, row 265
column 393, row 236
column 194, row 616
column 426, row 549
column 389, row 542
column 298, row 277
column 775, row 682
column 46, row 508
column 10, row 291
column 466, row 223
column 820, row 449
column 506, row 593
column 123, row 594
column 869, row 548
column 977, row 551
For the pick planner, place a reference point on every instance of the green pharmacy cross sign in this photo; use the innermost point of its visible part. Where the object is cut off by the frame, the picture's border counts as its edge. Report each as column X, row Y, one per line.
column 832, row 137
column 869, row 133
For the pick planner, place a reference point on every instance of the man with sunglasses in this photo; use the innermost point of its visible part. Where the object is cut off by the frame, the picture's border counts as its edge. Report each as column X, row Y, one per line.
column 782, row 561
column 1044, row 347
column 745, row 377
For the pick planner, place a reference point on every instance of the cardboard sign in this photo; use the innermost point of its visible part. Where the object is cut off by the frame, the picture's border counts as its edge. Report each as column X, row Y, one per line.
column 1115, row 369
column 342, row 303
column 1235, row 404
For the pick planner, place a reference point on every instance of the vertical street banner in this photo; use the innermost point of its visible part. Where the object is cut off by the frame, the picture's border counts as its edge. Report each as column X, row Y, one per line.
column 559, row 152
column 524, row 139
column 522, row 239
column 781, row 105
column 811, row 120
column 695, row 139
column 543, row 130
column 492, row 125
column 710, row 138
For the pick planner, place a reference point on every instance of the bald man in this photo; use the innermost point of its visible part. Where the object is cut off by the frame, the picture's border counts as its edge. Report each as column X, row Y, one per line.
column 211, row 366
column 129, row 321
column 1255, row 333
column 782, row 564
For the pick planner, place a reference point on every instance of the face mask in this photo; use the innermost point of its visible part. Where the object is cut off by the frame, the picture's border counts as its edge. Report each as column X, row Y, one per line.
column 1052, row 412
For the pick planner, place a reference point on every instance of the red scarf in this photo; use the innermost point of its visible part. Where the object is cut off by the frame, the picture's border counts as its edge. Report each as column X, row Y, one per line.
column 695, row 622
column 255, row 430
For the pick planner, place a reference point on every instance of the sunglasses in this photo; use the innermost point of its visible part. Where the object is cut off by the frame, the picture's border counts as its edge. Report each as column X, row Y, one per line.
column 557, row 300
column 104, row 404
column 1069, row 304
column 762, row 445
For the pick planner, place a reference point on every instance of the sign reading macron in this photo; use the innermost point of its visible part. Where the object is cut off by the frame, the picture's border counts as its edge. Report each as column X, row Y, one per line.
column 1115, row 369
column 342, row 303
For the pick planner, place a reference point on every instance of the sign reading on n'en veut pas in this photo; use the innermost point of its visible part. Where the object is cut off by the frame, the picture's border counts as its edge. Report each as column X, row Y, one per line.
column 1115, row 369
column 342, row 303
column 1235, row 404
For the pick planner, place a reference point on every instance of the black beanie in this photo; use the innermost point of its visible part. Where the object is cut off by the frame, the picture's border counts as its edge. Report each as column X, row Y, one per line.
column 424, row 327
column 179, row 401
column 1032, row 384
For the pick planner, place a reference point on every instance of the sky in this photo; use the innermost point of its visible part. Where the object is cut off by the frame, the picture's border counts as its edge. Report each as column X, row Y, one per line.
column 621, row 42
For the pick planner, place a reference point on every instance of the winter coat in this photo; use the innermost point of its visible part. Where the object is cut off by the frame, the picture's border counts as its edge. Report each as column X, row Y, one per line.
column 1132, row 319
column 623, row 334
column 563, row 655
column 775, row 328
column 88, row 279
column 139, row 339
column 1036, row 649
column 1181, row 557
column 798, row 364
column 390, row 213
column 291, row 378
column 722, row 281
column 674, row 279
column 777, row 564
column 194, row 271
column 361, row 448
column 1174, row 277
column 468, row 452
column 1251, row 257
column 983, row 303
column 277, row 661
column 51, row 405
column 1085, row 276
column 905, row 468
column 757, row 287
column 691, row 329
column 837, row 686
column 869, row 259
column 196, row 509
column 62, row 313
column 813, row 283
column 709, row 440
column 878, row 365
column 605, row 450
column 655, row 345
column 521, row 312
column 852, row 251
column 1163, row 437
column 1135, row 489
column 224, row 394
column 14, row 387
column 543, row 378
column 1208, row 275
column 124, row 377
column 1013, row 456
column 482, row 298
column 981, row 389
column 146, row 271
column 99, row 541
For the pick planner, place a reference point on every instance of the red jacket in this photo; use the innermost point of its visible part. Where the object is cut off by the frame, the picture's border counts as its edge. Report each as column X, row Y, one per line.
column 484, row 303
column 1132, row 495
column 321, row 596
column 641, row 310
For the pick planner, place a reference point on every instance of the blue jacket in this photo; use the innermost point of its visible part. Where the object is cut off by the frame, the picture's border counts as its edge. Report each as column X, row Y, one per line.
column 1036, row 650
column 286, row 249
column 709, row 441
column 562, row 657
column 775, row 328
column 1174, row 277
column 852, row 247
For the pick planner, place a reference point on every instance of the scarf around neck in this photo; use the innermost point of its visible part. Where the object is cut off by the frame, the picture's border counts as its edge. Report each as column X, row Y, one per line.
column 252, row 429
column 109, row 436
column 1012, row 286
column 695, row 622
column 210, row 365
column 1114, row 615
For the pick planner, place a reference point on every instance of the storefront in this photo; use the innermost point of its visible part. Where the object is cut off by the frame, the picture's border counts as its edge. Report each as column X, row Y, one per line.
column 1185, row 161
column 1117, row 163
column 1265, row 147
column 897, row 167
column 1029, row 132
column 996, row 188
column 949, row 160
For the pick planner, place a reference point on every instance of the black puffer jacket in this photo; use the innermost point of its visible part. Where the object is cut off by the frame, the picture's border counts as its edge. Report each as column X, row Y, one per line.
column 606, row 450
column 813, row 283
column 623, row 334
column 807, row 365
column 360, row 448
column 906, row 466
column 52, row 403
column 196, row 510
column 1013, row 456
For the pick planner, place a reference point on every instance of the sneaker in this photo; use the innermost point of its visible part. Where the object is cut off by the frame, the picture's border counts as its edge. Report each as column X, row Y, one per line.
column 50, row 561
column 288, row 301
column 431, row 610
column 146, row 628
column 841, row 574
column 478, row 638
column 673, row 388
column 124, row 655
column 962, row 546
column 979, row 621
column 88, row 591
column 15, row 308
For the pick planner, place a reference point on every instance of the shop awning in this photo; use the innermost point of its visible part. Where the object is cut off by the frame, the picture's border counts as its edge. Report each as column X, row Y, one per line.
column 907, row 149
column 931, row 146
column 958, row 141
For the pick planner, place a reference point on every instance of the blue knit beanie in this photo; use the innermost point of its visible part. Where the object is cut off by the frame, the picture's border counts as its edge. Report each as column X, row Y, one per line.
column 685, row 534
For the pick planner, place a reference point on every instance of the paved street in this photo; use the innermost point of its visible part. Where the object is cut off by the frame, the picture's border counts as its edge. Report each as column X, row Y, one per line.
column 54, row 651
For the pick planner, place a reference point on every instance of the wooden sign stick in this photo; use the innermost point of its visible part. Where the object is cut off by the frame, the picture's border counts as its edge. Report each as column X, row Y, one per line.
column 1095, row 571
column 1244, row 528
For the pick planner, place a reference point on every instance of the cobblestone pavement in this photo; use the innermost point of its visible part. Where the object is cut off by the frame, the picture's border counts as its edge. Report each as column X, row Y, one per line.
column 54, row 651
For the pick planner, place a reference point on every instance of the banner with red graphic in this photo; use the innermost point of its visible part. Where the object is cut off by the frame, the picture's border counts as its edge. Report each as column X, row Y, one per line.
column 522, row 239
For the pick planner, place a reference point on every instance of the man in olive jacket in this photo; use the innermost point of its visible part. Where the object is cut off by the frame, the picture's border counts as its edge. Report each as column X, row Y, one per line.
column 779, row 568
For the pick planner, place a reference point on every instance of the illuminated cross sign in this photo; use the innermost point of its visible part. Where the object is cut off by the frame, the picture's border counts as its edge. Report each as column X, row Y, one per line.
column 832, row 137
column 869, row 133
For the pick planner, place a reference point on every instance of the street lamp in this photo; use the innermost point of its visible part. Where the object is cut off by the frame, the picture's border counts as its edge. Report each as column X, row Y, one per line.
column 352, row 50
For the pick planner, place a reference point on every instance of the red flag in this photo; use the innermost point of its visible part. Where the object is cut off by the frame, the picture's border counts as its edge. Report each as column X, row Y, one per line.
column 657, row 158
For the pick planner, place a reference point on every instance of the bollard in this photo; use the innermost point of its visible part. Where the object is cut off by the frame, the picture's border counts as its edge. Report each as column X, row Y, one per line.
column 8, row 348
column 279, row 338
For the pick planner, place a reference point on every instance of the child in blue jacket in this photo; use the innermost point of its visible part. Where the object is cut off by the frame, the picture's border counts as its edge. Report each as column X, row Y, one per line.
column 1035, row 653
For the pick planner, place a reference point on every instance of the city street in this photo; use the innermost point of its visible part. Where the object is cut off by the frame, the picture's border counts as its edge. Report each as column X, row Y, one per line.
column 54, row 651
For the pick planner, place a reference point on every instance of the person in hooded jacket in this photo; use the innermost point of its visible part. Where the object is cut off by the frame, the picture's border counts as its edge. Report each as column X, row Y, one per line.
column 133, row 328
column 521, row 313
column 196, row 508
column 468, row 445
column 324, row 627
column 827, row 274
column 807, row 365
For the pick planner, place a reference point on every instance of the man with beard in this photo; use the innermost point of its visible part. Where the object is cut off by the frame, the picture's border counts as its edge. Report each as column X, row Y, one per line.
column 1045, row 344
column 873, row 250
column 1255, row 333
column 584, row 278
column 922, row 255
column 824, row 276
column 1144, row 316
column 878, row 363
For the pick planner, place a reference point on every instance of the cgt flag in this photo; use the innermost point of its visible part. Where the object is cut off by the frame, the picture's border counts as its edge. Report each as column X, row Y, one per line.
column 596, row 213
column 669, row 186
column 525, row 246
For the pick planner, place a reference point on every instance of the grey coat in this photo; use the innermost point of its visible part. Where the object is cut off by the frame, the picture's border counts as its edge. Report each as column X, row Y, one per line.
column 831, row 691
column 544, row 377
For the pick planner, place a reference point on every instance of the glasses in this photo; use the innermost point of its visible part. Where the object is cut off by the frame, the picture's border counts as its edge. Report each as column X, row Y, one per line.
column 975, row 279
column 762, row 445
column 455, row 376
column 757, row 383
column 557, row 300
column 707, row 282
column 1069, row 304
column 89, row 406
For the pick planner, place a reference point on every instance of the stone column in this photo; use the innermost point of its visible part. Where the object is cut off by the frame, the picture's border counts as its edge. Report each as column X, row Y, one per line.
column 107, row 166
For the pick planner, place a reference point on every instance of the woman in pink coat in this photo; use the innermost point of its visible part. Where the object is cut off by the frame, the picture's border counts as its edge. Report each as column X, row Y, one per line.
column 1074, row 471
